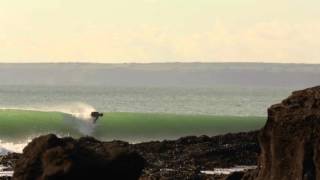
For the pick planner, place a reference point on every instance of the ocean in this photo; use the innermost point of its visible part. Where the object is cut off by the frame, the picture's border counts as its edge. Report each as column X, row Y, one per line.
column 140, row 102
column 130, row 113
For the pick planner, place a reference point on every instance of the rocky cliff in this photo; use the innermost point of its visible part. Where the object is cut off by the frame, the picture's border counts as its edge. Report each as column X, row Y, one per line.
column 290, row 139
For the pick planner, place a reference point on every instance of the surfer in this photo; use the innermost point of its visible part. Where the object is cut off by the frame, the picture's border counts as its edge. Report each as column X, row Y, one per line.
column 95, row 116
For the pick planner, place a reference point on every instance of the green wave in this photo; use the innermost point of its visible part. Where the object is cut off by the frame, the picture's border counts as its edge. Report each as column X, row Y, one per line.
column 134, row 127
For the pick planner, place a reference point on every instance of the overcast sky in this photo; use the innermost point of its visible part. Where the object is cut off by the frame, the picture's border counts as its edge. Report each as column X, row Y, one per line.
column 112, row 31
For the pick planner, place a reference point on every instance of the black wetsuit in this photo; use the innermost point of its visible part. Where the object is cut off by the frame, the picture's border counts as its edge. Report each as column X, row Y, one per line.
column 96, row 116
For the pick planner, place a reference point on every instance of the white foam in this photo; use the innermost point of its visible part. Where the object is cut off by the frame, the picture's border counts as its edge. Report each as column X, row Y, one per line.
column 80, row 115
column 7, row 147
column 226, row 171
column 3, row 151
column 5, row 173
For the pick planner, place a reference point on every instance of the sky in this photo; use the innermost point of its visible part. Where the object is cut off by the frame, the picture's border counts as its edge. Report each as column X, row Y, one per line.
column 144, row 31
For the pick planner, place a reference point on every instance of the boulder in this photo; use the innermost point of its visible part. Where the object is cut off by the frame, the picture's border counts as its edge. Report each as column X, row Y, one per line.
column 49, row 157
column 290, row 139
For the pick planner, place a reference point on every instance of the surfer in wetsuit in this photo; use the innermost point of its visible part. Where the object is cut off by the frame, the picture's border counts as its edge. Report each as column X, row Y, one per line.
column 96, row 116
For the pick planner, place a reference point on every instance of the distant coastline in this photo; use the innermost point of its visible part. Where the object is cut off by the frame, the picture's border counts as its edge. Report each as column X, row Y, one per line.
column 291, row 76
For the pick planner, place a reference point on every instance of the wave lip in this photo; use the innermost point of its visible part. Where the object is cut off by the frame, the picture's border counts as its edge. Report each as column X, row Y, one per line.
column 78, row 110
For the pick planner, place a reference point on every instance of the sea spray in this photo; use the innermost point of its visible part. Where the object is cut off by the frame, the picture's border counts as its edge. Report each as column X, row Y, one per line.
column 84, row 125
column 78, row 114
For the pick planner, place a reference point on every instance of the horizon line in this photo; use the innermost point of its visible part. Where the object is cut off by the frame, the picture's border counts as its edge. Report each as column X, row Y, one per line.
column 177, row 62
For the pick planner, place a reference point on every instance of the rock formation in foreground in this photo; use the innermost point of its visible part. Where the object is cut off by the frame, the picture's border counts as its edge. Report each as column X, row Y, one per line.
column 290, row 148
column 180, row 159
column 49, row 157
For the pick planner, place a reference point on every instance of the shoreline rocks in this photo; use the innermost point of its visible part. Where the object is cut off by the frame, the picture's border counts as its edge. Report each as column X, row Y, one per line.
column 9, row 160
column 187, row 156
column 183, row 158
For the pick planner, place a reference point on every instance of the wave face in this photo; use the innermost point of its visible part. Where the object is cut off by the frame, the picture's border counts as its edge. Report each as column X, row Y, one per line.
column 20, row 126
column 77, row 109
column 78, row 114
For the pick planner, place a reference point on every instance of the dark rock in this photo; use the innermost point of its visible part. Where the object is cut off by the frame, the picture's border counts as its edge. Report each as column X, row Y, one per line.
column 187, row 156
column 245, row 175
column 290, row 140
column 5, row 178
column 250, row 174
column 175, row 159
column 235, row 176
column 9, row 160
column 49, row 157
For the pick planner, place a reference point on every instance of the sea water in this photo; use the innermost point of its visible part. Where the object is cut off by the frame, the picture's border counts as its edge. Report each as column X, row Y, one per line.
column 239, row 101
column 133, row 114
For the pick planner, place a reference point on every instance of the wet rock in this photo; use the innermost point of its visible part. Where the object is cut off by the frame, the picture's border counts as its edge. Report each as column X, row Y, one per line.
column 184, row 158
column 9, row 160
column 290, row 140
column 49, row 157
